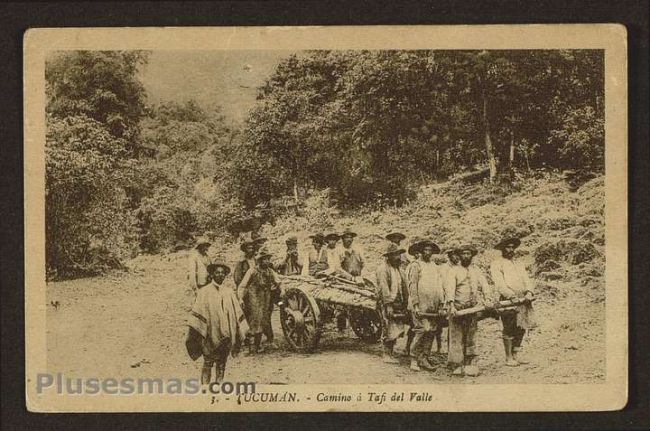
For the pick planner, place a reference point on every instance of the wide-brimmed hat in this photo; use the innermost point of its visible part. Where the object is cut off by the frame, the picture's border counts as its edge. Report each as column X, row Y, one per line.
column 202, row 240
column 392, row 249
column 319, row 237
column 292, row 240
column 417, row 246
column 395, row 236
column 212, row 266
column 348, row 232
column 515, row 242
column 468, row 247
column 263, row 252
column 332, row 235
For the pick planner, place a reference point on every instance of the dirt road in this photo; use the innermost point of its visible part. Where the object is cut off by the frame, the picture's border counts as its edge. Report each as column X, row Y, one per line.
column 132, row 325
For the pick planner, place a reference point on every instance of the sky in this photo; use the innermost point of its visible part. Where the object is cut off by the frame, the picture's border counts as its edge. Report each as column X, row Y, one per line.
column 227, row 78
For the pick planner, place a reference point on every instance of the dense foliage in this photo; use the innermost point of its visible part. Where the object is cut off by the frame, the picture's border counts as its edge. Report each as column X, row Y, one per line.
column 94, row 107
column 182, row 187
column 363, row 127
column 372, row 124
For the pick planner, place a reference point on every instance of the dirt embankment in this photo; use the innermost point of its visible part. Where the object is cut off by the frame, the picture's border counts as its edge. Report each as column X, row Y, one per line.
column 131, row 323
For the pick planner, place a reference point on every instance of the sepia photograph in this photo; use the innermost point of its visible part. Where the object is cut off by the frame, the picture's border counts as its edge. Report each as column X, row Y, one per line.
column 269, row 225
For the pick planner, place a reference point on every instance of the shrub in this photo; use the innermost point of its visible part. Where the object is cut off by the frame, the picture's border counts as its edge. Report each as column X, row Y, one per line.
column 581, row 140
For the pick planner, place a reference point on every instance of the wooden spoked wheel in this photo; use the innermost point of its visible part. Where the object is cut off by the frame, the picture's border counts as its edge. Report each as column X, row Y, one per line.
column 366, row 324
column 300, row 319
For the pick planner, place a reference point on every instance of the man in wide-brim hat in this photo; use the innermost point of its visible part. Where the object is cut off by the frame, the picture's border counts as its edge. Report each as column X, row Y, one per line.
column 511, row 280
column 217, row 326
column 256, row 291
column 393, row 296
column 316, row 259
column 414, row 251
column 292, row 264
column 352, row 260
column 249, row 248
column 198, row 264
column 333, row 252
column 351, row 263
column 426, row 295
column 465, row 287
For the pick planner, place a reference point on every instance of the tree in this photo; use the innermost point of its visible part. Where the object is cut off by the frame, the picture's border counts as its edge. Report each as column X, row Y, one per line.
column 103, row 85
column 94, row 105
column 182, row 190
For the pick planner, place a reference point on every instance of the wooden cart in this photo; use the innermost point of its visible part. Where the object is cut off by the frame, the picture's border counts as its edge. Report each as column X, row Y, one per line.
column 310, row 302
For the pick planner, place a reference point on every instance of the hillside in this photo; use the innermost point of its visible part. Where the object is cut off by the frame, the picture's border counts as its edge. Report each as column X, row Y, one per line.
column 137, row 316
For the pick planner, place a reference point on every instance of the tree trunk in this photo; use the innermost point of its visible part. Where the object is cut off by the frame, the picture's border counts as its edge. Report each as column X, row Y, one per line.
column 511, row 158
column 437, row 163
column 525, row 151
column 492, row 163
column 295, row 193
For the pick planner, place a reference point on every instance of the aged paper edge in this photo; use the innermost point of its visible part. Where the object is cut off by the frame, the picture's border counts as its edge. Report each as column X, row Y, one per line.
column 611, row 395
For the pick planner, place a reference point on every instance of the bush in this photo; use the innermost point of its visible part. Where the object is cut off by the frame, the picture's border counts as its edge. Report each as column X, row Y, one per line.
column 173, row 216
column 570, row 250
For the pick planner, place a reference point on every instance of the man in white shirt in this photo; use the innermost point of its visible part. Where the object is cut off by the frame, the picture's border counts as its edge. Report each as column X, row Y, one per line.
column 316, row 258
column 465, row 287
column 333, row 252
column 511, row 280
column 393, row 296
column 426, row 295
column 198, row 265
column 352, row 260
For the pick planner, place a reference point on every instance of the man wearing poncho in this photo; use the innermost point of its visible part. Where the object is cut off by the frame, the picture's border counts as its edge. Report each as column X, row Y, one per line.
column 216, row 323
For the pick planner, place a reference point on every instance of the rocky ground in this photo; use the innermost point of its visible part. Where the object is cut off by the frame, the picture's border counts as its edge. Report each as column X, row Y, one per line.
column 131, row 324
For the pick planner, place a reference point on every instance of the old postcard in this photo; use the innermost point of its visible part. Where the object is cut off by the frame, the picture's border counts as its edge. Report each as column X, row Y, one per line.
column 382, row 218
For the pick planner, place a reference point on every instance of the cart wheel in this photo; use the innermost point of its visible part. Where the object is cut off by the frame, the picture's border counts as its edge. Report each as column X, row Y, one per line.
column 300, row 318
column 366, row 324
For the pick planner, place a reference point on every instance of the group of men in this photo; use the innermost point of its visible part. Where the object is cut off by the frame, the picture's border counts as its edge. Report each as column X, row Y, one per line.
column 420, row 297
column 417, row 296
column 226, row 315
